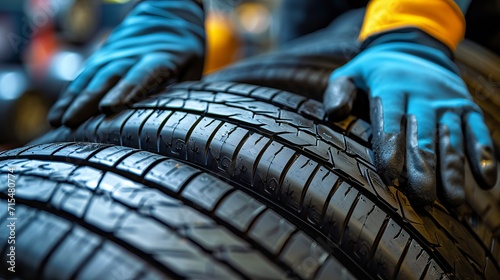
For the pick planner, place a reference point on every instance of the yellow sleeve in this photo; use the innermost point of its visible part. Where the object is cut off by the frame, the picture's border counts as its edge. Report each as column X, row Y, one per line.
column 442, row 19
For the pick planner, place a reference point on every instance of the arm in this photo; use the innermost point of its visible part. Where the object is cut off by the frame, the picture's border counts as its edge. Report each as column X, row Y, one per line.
column 298, row 17
column 424, row 120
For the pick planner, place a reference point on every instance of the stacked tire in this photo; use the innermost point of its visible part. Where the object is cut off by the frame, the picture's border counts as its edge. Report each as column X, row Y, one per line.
column 224, row 180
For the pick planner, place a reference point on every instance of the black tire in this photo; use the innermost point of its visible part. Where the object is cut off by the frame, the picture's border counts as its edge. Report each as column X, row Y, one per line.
column 91, row 211
column 279, row 148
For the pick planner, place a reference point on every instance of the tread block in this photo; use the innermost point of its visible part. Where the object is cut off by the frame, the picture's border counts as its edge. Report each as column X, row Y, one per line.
column 386, row 194
column 174, row 133
column 434, row 272
column 111, row 156
column 313, row 109
column 131, row 131
column 85, row 177
column 199, row 140
column 270, row 168
column 239, row 210
column 104, row 213
column 271, row 230
column 144, row 199
column 297, row 120
column 78, row 152
column 71, row 199
column 473, row 250
column 317, row 194
column 338, row 210
column 171, row 174
column 332, row 137
column 138, row 163
column 194, row 105
column 362, row 130
column 206, row 191
column 272, row 126
column 151, row 130
column 359, row 151
column 242, row 89
column 87, row 132
column 224, row 145
column 390, row 250
column 322, row 150
column 365, row 223
column 349, row 167
column 253, row 265
column 296, row 182
column 333, row 267
column 303, row 254
column 216, row 239
column 415, row 262
column 289, row 100
column 156, row 240
column 178, row 216
column 247, row 159
column 264, row 93
column 257, row 107
column 71, row 254
column 110, row 129
column 112, row 262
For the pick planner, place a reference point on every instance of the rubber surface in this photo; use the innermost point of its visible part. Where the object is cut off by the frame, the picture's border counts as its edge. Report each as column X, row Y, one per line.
column 92, row 211
column 317, row 174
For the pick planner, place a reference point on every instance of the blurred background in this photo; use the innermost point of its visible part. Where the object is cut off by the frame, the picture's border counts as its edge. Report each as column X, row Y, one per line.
column 44, row 43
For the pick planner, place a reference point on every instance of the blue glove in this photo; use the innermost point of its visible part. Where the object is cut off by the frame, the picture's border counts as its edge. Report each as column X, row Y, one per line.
column 158, row 43
column 423, row 118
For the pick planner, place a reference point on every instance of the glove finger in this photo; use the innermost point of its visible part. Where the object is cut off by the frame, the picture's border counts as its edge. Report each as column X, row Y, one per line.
column 420, row 153
column 480, row 151
column 85, row 104
column 57, row 111
column 451, row 160
column 144, row 78
column 339, row 98
column 387, row 118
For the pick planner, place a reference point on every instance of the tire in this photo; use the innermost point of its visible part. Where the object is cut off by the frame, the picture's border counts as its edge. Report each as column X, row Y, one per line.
column 92, row 211
column 319, row 175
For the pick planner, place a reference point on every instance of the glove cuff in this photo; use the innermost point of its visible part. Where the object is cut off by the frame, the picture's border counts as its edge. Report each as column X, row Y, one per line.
column 408, row 35
column 442, row 19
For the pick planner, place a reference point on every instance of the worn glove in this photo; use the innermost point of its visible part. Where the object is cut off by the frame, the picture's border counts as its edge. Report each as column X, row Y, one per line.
column 158, row 43
column 417, row 97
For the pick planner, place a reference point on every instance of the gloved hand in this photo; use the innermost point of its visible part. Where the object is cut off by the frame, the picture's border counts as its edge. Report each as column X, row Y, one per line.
column 423, row 119
column 158, row 43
